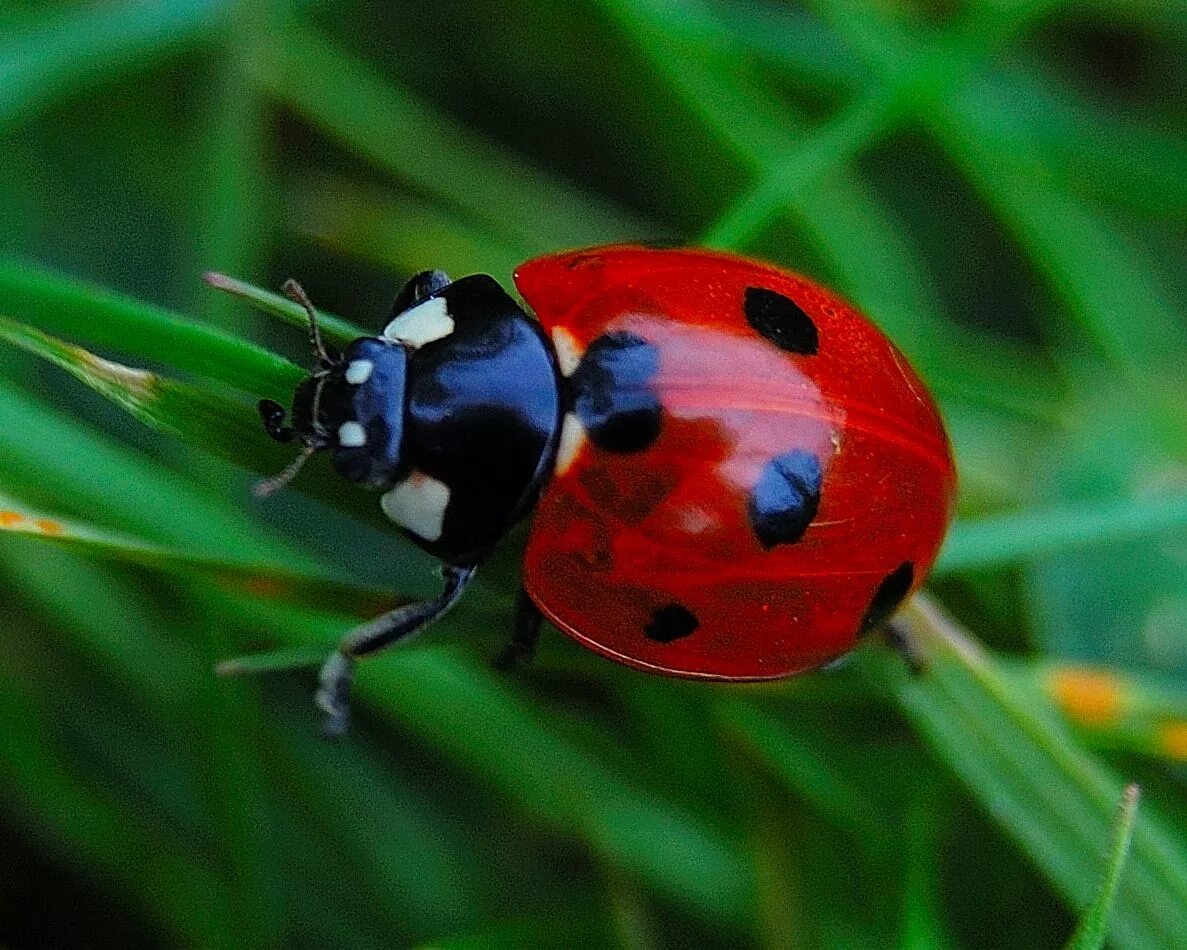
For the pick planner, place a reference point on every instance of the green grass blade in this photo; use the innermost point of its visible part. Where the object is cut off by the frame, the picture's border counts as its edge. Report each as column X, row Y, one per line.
column 398, row 231
column 101, row 318
column 345, row 98
column 1135, row 711
column 67, row 52
column 248, row 575
column 1004, row 539
column 805, row 771
column 1118, row 302
column 494, row 732
column 1094, row 925
column 1036, row 781
column 176, row 408
column 333, row 328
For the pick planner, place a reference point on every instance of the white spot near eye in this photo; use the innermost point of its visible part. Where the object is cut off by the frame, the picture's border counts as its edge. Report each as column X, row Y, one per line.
column 418, row 504
column 424, row 323
column 351, row 435
column 359, row 371
column 569, row 445
column 568, row 350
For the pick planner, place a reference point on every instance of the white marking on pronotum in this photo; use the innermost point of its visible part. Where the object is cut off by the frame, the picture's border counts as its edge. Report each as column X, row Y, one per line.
column 569, row 446
column 359, row 371
column 568, row 350
column 351, row 435
column 424, row 323
column 418, row 503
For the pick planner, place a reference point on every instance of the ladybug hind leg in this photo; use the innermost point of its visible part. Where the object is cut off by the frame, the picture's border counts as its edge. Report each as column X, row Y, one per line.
column 899, row 639
column 525, row 634
column 337, row 673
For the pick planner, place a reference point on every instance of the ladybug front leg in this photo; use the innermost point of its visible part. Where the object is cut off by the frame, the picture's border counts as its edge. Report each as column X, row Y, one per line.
column 525, row 634
column 337, row 673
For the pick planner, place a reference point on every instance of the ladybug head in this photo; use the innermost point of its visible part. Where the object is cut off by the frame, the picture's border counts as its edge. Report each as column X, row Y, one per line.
column 352, row 405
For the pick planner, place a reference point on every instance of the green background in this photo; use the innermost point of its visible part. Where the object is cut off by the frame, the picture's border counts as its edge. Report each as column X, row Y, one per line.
column 1000, row 184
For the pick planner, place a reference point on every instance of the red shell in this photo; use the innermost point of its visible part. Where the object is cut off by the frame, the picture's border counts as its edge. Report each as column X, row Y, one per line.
column 618, row 536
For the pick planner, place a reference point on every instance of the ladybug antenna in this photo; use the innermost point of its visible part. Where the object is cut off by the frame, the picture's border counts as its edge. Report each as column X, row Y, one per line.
column 296, row 293
column 270, row 486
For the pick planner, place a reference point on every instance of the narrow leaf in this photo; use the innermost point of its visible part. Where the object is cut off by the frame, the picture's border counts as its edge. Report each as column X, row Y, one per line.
column 248, row 576
column 1005, row 539
column 101, row 318
column 1094, row 925
column 1028, row 772
column 333, row 328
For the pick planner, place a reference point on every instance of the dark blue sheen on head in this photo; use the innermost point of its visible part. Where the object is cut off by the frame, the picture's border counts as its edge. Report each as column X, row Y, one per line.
column 785, row 500
column 377, row 404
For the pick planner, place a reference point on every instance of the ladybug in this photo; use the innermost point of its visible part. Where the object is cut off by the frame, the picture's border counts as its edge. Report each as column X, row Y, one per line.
column 734, row 475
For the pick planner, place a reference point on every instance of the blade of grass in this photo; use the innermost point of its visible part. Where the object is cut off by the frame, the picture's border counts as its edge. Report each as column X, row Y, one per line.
column 1094, row 925
column 81, row 821
column 176, row 408
column 1051, row 795
column 1137, row 712
column 493, row 732
column 334, row 329
column 233, row 213
column 923, row 920
column 74, row 469
column 385, row 124
column 53, row 56
column 248, row 575
column 398, row 231
column 805, row 772
column 1117, row 301
column 1006, row 539
column 942, row 67
column 104, row 319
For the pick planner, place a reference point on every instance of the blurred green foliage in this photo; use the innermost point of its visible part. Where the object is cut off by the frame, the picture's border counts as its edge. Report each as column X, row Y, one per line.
column 1001, row 184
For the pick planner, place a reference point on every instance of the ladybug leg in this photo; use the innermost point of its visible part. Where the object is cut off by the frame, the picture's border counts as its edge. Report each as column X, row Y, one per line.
column 899, row 640
column 337, row 673
column 525, row 633
column 418, row 287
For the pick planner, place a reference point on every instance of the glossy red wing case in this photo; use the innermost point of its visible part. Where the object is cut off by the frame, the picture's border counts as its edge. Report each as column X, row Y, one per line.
column 652, row 557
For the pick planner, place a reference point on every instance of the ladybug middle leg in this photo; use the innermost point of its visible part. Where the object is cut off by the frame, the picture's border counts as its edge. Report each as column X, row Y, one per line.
column 337, row 673
column 525, row 634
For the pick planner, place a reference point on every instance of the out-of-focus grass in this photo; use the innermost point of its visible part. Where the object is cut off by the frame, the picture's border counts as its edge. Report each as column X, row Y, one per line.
column 1000, row 185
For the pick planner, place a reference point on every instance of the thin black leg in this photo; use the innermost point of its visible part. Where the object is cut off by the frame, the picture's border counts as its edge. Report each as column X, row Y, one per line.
column 525, row 634
column 899, row 640
column 418, row 287
column 337, row 673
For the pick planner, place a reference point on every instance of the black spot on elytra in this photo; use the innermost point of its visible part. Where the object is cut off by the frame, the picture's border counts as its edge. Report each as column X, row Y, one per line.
column 612, row 392
column 669, row 623
column 786, row 498
column 887, row 597
column 781, row 320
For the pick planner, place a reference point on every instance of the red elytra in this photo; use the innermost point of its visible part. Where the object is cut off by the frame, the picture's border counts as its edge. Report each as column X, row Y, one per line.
column 755, row 365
